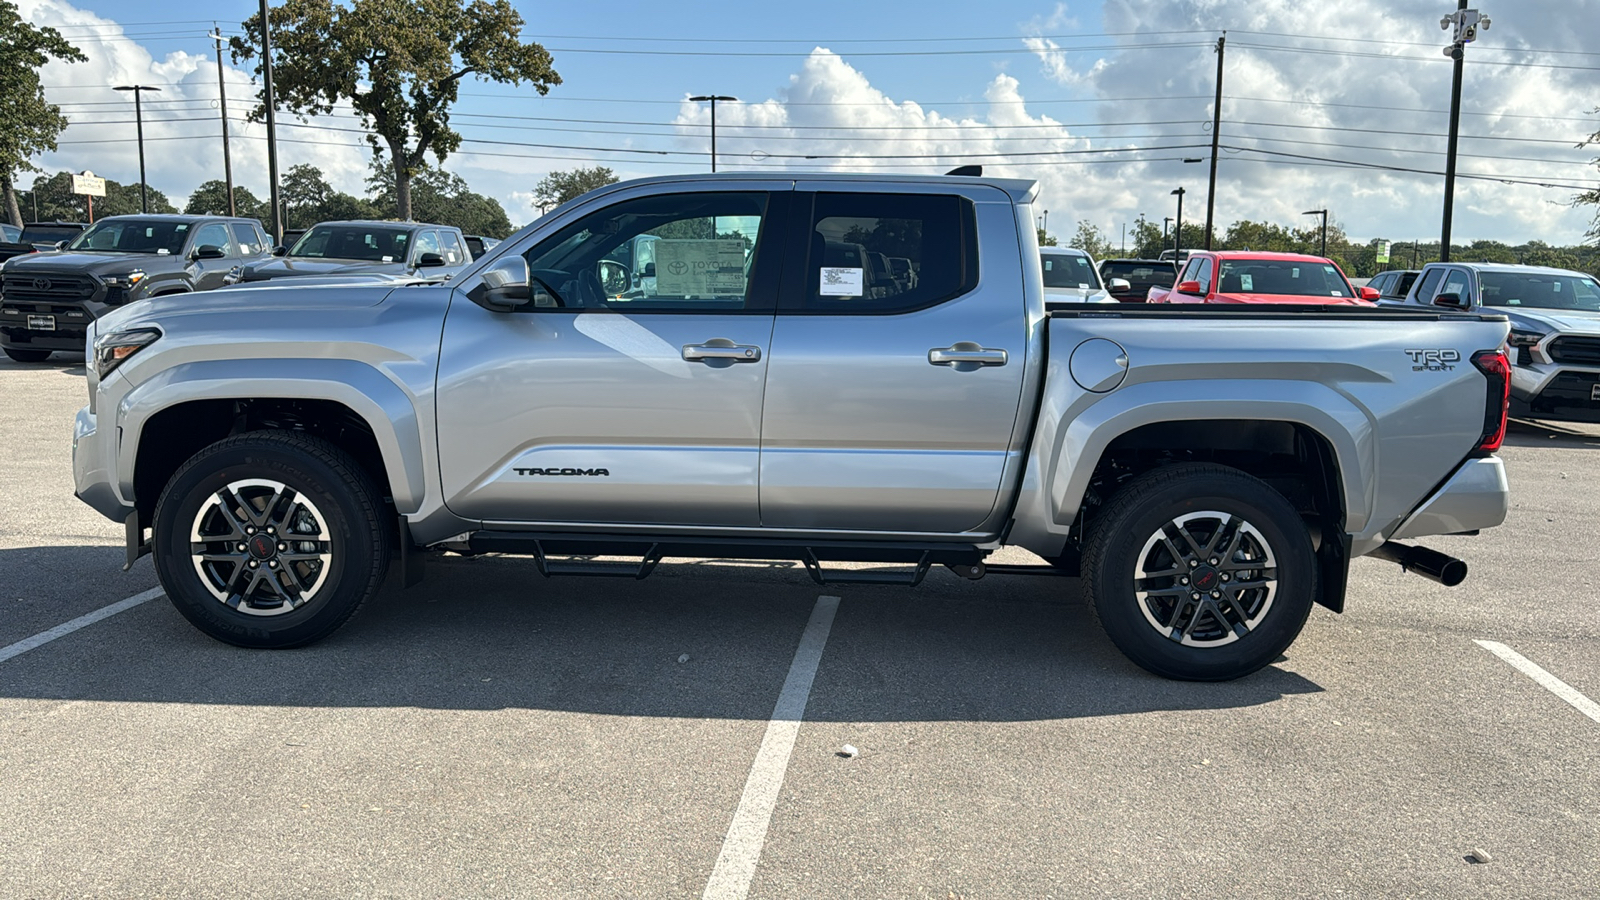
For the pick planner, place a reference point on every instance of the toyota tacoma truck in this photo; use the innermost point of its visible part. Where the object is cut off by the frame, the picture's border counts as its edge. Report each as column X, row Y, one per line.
column 399, row 249
column 1246, row 276
column 1208, row 472
column 47, row 300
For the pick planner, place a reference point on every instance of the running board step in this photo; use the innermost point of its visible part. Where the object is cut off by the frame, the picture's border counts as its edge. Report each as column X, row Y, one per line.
column 650, row 549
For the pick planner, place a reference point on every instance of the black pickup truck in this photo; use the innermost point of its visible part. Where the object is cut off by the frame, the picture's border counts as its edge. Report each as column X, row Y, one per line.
column 37, row 236
column 48, row 299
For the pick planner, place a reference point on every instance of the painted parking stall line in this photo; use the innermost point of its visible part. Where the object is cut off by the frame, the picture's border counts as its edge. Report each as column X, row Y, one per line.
column 1544, row 679
column 741, row 849
column 65, row 628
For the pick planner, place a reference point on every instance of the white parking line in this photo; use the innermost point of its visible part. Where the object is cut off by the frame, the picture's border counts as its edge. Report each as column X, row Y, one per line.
column 1547, row 681
column 741, row 849
column 83, row 621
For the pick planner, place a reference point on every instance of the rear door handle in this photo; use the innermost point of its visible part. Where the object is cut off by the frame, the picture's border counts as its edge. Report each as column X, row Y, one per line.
column 721, row 348
column 967, row 352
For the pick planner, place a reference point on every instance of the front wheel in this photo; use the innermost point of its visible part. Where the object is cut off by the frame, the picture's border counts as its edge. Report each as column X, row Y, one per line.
column 28, row 356
column 1200, row 572
column 270, row 539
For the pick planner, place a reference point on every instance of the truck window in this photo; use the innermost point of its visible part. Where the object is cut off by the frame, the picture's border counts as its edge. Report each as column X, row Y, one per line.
column 1429, row 282
column 1191, row 272
column 672, row 252
column 852, row 233
column 427, row 242
column 453, row 253
column 246, row 236
column 1204, row 275
column 1458, row 282
column 213, row 235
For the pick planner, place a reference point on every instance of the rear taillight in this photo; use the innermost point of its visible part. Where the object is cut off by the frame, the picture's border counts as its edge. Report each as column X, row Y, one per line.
column 1497, row 369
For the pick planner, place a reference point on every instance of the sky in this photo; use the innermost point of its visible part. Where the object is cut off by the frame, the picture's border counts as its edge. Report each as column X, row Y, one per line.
column 1342, row 106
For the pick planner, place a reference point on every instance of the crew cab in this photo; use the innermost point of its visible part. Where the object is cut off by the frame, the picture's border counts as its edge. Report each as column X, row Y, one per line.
column 48, row 299
column 367, row 248
column 1245, row 276
column 1554, row 345
column 1209, row 472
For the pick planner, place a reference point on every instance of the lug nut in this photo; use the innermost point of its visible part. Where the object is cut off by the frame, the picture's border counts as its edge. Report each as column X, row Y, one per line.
column 1216, row 594
column 254, row 564
column 1213, row 560
column 1224, row 576
column 283, row 547
column 1195, row 596
column 271, row 530
column 242, row 548
column 1193, row 563
column 1183, row 580
column 249, row 529
column 274, row 564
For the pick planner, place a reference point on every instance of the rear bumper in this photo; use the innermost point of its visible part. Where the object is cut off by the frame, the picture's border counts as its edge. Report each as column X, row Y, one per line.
column 1476, row 496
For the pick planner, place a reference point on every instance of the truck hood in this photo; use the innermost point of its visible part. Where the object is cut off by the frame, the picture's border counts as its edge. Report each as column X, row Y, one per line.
column 224, row 303
column 1566, row 321
column 76, row 262
column 288, row 267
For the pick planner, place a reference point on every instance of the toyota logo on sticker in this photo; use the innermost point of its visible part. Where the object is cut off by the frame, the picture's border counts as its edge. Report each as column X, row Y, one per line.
column 41, row 284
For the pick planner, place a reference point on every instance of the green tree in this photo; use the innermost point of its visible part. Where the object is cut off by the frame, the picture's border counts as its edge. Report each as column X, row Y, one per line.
column 57, row 201
column 399, row 63
column 211, row 199
column 1046, row 239
column 28, row 125
column 440, row 197
column 1091, row 240
column 559, row 187
column 308, row 198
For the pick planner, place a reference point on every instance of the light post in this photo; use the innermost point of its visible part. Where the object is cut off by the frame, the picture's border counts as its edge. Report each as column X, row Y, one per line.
column 222, row 95
column 138, row 118
column 1324, row 214
column 713, row 98
column 1466, row 23
column 1177, row 230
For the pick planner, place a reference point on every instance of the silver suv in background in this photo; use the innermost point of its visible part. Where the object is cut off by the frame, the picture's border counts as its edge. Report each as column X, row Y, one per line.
column 1070, row 276
column 1555, row 330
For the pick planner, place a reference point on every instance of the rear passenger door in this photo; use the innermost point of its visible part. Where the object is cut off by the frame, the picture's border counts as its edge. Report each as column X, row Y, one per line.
column 890, row 408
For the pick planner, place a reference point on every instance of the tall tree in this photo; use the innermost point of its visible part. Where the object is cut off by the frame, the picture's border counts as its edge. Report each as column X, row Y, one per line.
column 211, row 199
column 1591, row 198
column 57, row 201
column 1091, row 240
column 1046, row 239
column 28, row 125
column 308, row 198
column 399, row 63
column 440, row 197
column 559, row 187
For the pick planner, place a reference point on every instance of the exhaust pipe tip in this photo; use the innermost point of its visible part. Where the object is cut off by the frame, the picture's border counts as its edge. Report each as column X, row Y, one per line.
column 1430, row 564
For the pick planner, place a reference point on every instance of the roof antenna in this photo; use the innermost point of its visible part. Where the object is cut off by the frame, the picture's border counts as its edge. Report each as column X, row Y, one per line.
column 970, row 171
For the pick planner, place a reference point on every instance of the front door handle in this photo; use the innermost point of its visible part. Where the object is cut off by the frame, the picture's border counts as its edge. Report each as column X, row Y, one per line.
column 967, row 353
column 721, row 349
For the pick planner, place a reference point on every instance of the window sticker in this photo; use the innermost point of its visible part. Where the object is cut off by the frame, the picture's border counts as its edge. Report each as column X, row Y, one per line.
column 1247, row 283
column 840, row 281
column 700, row 268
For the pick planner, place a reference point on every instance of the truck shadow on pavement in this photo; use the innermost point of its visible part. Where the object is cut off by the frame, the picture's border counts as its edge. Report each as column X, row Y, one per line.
column 1528, row 433
column 490, row 633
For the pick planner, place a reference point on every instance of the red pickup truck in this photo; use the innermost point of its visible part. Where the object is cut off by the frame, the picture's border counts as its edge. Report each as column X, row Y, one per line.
column 1246, row 276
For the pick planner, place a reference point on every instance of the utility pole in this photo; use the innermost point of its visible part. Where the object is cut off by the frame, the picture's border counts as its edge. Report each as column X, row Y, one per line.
column 272, row 127
column 1216, row 125
column 714, row 98
column 1466, row 23
column 138, row 117
column 222, row 96
column 1177, row 231
column 1324, row 214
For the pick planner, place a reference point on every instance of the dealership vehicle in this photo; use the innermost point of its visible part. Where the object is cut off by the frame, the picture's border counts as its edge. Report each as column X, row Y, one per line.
column 478, row 245
column 35, row 237
column 1070, row 276
column 1140, row 275
column 1555, row 330
column 1247, row 276
column 1394, row 284
column 47, row 300
column 1210, row 471
column 357, row 247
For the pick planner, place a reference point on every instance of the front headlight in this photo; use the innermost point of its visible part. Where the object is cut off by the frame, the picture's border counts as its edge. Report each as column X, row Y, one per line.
column 113, row 349
column 1524, row 338
column 127, row 280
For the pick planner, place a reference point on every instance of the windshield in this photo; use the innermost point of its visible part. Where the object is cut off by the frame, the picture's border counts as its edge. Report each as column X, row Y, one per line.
column 1069, row 270
column 1539, row 290
column 50, row 233
column 1290, row 277
column 158, row 236
column 1139, row 274
column 361, row 242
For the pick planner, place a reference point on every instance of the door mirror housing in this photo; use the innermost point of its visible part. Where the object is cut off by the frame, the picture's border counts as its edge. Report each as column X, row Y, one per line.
column 209, row 251
column 280, row 250
column 1116, row 285
column 1370, row 293
column 506, row 282
column 614, row 276
column 1450, row 301
column 1190, row 287
column 430, row 261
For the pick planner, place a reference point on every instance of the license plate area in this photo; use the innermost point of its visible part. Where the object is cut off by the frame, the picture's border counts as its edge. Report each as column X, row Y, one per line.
column 41, row 323
column 1594, row 391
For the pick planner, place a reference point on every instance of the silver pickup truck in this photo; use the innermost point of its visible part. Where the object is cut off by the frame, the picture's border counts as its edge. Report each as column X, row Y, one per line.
column 1209, row 472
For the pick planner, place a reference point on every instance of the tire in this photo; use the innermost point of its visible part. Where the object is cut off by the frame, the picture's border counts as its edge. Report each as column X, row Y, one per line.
column 1143, row 574
column 243, row 491
column 27, row 356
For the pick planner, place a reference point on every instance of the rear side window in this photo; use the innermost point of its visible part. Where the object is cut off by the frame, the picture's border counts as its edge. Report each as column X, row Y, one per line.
column 1458, row 283
column 453, row 253
column 853, row 236
column 1429, row 282
column 1380, row 283
column 248, row 238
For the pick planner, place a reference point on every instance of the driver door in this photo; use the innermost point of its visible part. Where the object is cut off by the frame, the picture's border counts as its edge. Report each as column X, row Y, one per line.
column 208, row 274
column 615, row 400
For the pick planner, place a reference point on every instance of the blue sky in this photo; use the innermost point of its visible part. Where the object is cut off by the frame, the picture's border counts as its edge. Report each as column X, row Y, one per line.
column 1099, row 101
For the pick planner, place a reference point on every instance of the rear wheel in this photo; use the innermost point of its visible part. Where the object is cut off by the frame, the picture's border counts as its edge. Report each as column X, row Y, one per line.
column 29, row 356
column 1200, row 572
column 270, row 539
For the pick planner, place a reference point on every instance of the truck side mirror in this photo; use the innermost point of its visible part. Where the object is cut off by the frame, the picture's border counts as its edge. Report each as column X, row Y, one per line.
column 506, row 282
column 1371, row 293
column 280, row 250
column 1189, row 287
column 429, row 261
column 209, row 251
column 649, row 270
column 1116, row 285
column 1450, row 301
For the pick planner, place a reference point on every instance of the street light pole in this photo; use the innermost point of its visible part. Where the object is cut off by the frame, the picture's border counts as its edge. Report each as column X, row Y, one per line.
column 1466, row 23
column 1177, row 231
column 1216, row 126
column 222, row 95
column 138, row 118
column 1324, row 214
column 272, row 126
column 713, row 98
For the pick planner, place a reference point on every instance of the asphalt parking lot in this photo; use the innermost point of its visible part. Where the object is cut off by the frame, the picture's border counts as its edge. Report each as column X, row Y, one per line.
column 491, row 733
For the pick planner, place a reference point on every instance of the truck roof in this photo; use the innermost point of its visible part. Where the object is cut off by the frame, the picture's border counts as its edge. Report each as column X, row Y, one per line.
column 1020, row 190
column 1262, row 254
column 1509, row 267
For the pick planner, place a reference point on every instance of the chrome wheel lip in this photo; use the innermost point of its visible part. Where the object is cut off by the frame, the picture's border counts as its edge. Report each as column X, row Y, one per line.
column 287, row 572
column 1246, row 569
